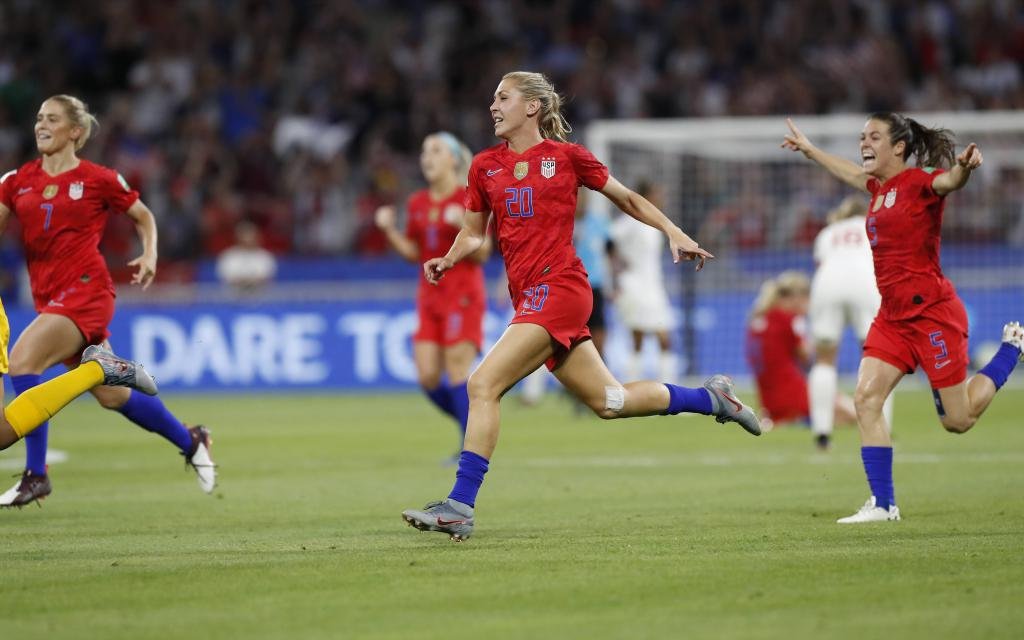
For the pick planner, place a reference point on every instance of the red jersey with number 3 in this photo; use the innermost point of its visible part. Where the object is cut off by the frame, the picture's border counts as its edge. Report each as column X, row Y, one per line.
column 62, row 220
column 533, row 198
column 433, row 225
column 903, row 224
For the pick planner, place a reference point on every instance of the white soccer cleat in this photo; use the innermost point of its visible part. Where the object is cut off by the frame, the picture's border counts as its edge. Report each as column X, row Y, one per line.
column 871, row 513
column 199, row 458
column 1013, row 333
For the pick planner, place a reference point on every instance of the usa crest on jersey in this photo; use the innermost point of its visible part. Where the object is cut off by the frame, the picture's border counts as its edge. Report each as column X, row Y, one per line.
column 75, row 190
column 547, row 167
column 890, row 199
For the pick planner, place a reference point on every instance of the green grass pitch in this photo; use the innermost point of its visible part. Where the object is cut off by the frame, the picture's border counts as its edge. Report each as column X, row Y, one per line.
column 647, row 528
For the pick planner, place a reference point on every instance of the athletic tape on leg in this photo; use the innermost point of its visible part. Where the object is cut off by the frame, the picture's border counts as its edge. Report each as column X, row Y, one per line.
column 614, row 398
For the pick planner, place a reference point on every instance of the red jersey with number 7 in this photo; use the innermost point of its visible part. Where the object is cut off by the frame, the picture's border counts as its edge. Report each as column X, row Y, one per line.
column 533, row 198
column 62, row 220
column 904, row 224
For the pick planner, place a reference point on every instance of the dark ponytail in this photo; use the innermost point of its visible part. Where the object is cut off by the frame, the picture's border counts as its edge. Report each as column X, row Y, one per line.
column 930, row 147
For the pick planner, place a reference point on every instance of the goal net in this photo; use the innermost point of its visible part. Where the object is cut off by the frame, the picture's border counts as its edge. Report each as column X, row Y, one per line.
column 758, row 208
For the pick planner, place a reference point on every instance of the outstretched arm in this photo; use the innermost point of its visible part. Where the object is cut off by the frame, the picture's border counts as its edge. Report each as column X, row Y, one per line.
column 470, row 238
column 847, row 171
column 145, row 227
column 385, row 218
column 968, row 160
column 683, row 247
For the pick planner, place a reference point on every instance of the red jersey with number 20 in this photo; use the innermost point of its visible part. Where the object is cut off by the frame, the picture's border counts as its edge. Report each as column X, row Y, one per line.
column 62, row 220
column 903, row 227
column 533, row 198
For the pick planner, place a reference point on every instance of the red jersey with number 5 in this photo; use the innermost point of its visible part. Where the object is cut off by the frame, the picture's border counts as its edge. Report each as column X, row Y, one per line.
column 533, row 198
column 62, row 220
column 903, row 224
column 433, row 225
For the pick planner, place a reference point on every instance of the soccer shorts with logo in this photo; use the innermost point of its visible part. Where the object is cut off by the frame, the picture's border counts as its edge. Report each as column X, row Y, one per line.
column 90, row 305
column 449, row 322
column 561, row 304
column 936, row 341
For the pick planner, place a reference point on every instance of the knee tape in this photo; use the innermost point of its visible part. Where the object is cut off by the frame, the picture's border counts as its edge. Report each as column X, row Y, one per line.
column 614, row 398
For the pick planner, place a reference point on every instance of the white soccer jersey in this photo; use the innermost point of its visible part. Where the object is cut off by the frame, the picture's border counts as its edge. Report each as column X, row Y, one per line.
column 641, row 297
column 843, row 289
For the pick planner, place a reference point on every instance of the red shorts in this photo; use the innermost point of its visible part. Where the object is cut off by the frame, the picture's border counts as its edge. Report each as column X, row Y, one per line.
column 450, row 322
column 561, row 304
column 936, row 341
column 785, row 401
column 90, row 305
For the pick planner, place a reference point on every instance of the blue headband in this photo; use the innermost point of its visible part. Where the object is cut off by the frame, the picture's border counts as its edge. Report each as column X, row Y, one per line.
column 453, row 145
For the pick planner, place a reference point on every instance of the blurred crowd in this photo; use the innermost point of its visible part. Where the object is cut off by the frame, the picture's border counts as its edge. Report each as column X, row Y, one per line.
column 302, row 116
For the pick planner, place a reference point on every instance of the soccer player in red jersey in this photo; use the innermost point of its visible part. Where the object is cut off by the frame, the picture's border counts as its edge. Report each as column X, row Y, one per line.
column 62, row 203
column 921, row 322
column 529, row 184
column 776, row 349
column 451, row 313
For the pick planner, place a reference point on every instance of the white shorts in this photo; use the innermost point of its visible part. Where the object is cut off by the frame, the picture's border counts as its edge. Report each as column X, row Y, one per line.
column 838, row 299
column 644, row 309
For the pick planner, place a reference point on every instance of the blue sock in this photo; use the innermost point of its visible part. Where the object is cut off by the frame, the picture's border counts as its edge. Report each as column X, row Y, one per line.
column 37, row 441
column 442, row 397
column 460, row 405
column 1001, row 364
column 469, row 477
column 150, row 413
column 878, row 467
column 682, row 399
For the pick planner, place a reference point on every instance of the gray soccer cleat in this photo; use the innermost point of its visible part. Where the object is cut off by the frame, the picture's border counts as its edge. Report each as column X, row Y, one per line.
column 727, row 407
column 1013, row 333
column 446, row 516
column 120, row 372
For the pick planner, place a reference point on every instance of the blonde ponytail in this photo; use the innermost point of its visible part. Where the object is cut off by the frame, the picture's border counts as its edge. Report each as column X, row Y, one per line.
column 536, row 86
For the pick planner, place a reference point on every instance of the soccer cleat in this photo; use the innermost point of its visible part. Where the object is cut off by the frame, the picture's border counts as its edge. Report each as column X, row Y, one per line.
column 200, row 460
column 871, row 513
column 726, row 407
column 120, row 372
column 1013, row 333
column 446, row 516
column 31, row 488
column 823, row 442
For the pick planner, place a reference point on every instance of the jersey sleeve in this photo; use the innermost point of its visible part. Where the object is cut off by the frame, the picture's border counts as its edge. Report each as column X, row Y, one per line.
column 7, row 187
column 926, row 175
column 118, row 195
column 820, row 243
column 476, row 195
column 590, row 172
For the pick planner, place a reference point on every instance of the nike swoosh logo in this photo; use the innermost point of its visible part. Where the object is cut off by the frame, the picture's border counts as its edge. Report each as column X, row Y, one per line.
column 444, row 523
column 939, row 365
column 739, row 406
column 491, row 172
column 24, row 190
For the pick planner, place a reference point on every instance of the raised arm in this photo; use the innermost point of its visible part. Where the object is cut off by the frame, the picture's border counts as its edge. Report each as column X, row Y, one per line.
column 847, row 171
column 470, row 239
column 968, row 160
column 385, row 218
column 683, row 247
column 145, row 227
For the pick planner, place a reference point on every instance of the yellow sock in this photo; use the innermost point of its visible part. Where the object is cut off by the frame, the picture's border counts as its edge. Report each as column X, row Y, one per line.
column 40, row 403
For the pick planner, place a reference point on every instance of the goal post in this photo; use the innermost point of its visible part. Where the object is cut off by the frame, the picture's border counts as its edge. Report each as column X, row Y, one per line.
column 758, row 207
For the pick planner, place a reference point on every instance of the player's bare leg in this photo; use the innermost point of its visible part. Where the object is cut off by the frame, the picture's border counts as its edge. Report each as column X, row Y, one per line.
column 458, row 358
column 428, row 359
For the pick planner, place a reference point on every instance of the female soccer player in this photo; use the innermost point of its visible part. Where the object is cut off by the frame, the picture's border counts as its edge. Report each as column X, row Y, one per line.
column 843, row 291
column 62, row 203
column 529, row 184
column 451, row 314
column 921, row 321
column 776, row 350
column 640, row 294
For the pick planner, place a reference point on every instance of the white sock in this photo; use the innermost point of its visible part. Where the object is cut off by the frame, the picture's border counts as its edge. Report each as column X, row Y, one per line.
column 667, row 366
column 534, row 385
column 822, row 385
column 635, row 366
